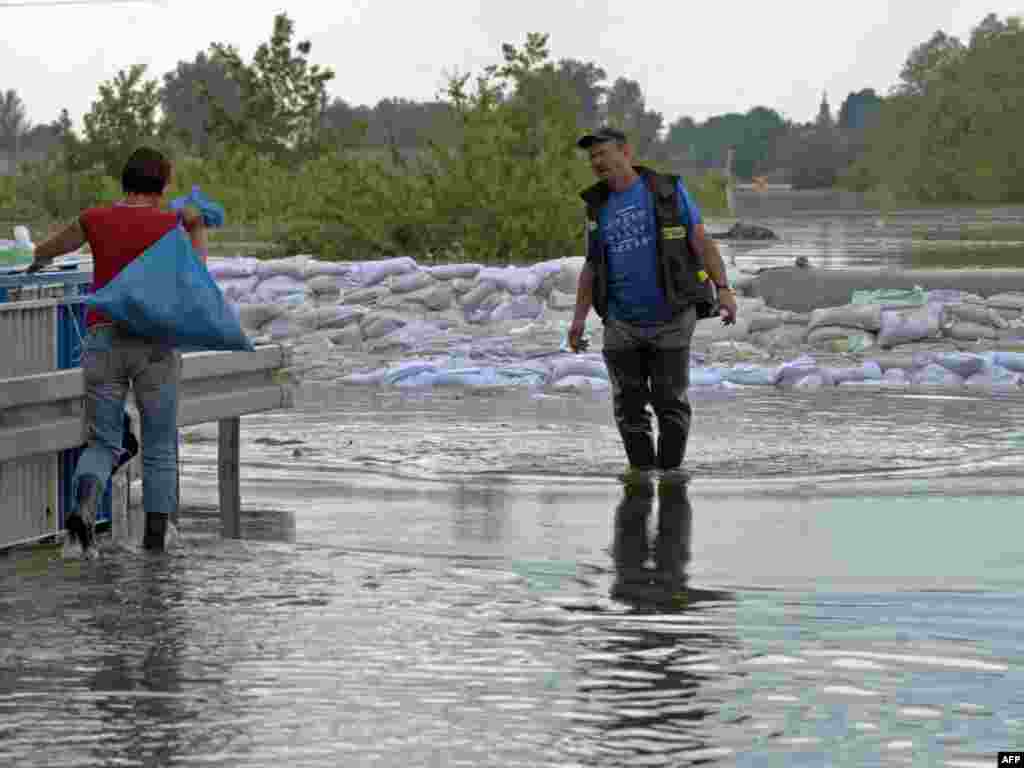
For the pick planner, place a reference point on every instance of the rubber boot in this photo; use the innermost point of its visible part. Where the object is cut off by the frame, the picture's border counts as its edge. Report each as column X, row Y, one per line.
column 156, row 533
column 81, row 524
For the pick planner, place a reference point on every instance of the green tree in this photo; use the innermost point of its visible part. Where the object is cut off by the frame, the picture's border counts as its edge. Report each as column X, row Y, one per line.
column 283, row 96
column 186, row 111
column 13, row 125
column 125, row 115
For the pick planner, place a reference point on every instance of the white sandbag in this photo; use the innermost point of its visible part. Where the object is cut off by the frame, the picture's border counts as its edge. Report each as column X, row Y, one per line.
column 315, row 268
column 866, row 317
column 1013, row 361
column 817, row 380
column 364, row 378
column 967, row 331
column 995, row 379
column 293, row 267
column 711, row 330
column 824, row 334
column 577, row 365
column 515, row 280
column 569, row 277
column 947, row 296
column 287, row 326
column 439, row 298
column 973, row 313
column 454, row 271
column 901, row 326
column 275, row 288
column 561, row 302
column 349, row 337
column 518, row 308
column 376, row 325
column 582, row 383
column 895, row 377
column 239, row 289
column 1013, row 301
column 365, row 296
column 240, row 266
column 410, row 372
column 792, row 372
column 338, row 316
column 785, row 337
column 462, row 285
column 476, row 296
column 963, row 364
column 371, row 273
column 323, row 285
column 705, row 377
column 934, row 375
column 867, row 371
column 747, row 374
column 410, row 282
column 253, row 316
column 763, row 321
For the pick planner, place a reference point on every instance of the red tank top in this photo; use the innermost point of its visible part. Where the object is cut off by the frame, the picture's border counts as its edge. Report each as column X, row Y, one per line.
column 117, row 235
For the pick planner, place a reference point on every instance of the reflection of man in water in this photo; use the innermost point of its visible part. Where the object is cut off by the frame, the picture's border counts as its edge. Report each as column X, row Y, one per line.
column 657, row 578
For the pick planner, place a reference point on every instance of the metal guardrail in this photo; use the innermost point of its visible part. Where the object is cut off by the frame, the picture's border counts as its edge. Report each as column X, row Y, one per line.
column 41, row 415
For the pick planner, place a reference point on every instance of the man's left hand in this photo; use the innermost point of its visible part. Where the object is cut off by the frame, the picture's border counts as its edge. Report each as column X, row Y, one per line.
column 727, row 307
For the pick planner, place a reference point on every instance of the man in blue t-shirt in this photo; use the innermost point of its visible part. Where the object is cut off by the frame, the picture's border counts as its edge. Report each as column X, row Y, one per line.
column 646, row 338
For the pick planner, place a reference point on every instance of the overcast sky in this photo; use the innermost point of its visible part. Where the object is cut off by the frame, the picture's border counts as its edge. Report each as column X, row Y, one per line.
column 690, row 58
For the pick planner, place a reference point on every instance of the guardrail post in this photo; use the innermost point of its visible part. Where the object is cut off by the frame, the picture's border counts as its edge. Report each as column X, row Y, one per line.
column 228, row 477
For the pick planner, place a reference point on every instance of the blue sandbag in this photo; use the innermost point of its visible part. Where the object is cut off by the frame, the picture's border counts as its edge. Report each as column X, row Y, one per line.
column 167, row 294
column 1011, row 360
column 212, row 213
column 705, row 377
column 750, row 375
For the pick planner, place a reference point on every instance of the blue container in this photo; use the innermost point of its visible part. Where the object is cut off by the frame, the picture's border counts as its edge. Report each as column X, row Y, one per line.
column 70, row 327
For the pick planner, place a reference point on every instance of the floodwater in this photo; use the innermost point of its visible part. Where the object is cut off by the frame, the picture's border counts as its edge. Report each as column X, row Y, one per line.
column 457, row 578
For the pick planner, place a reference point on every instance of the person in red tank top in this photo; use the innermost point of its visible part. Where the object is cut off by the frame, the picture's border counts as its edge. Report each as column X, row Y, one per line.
column 113, row 360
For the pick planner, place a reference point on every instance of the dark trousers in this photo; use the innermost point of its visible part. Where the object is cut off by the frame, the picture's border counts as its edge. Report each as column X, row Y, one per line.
column 650, row 366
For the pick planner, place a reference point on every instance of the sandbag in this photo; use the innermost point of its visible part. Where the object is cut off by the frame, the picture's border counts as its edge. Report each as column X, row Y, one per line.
column 1012, row 301
column 705, row 377
column 315, row 268
column 561, row 302
column 895, row 377
column 439, row 298
column 377, row 325
column 338, row 316
column 791, row 373
column 349, row 337
column 453, row 271
column 582, row 383
column 293, row 267
column 867, row 371
column 370, row 273
column 750, row 375
column 934, row 375
column 462, row 285
column 569, row 276
column 226, row 268
column 967, row 331
column 711, row 330
column 764, row 321
column 518, row 308
column 273, row 289
column 972, row 313
column 411, row 281
column 476, row 296
column 891, row 297
column 824, row 334
column 963, row 364
column 255, row 316
column 785, row 337
column 366, row 295
column 866, row 317
column 238, row 289
column 1013, row 361
column 323, row 285
column 995, row 378
column 900, row 326
column 577, row 365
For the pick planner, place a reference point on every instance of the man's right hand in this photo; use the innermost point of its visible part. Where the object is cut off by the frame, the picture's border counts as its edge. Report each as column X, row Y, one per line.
column 576, row 331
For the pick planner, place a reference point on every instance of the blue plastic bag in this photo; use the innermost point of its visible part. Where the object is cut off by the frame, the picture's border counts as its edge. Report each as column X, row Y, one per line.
column 213, row 213
column 167, row 294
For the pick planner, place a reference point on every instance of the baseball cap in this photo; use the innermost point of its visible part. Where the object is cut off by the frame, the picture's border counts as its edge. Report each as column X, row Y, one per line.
column 600, row 136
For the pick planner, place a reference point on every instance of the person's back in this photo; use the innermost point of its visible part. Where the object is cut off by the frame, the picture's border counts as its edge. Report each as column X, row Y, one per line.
column 114, row 359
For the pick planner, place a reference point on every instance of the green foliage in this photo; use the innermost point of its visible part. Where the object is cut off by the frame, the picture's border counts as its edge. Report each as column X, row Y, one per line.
column 124, row 116
column 752, row 135
column 282, row 96
column 950, row 131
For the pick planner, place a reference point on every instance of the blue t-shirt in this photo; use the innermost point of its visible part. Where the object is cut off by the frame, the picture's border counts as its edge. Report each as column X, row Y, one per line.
column 626, row 225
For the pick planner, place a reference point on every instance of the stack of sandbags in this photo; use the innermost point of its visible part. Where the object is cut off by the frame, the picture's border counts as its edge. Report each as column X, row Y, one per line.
column 843, row 323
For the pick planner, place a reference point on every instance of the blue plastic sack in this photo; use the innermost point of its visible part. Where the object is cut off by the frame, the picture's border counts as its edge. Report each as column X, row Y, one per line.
column 167, row 294
column 213, row 213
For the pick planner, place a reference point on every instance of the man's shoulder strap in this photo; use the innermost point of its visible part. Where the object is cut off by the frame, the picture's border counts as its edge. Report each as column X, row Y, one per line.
column 662, row 185
column 595, row 196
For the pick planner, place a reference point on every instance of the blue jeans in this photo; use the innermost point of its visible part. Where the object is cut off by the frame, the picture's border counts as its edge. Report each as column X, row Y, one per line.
column 111, row 362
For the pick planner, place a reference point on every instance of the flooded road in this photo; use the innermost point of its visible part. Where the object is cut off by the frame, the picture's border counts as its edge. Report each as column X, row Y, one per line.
column 458, row 579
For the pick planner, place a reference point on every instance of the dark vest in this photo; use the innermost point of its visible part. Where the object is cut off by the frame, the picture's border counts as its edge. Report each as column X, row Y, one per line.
column 681, row 273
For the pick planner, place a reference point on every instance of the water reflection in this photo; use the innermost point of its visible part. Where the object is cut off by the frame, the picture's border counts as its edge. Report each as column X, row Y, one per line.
column 653, row 573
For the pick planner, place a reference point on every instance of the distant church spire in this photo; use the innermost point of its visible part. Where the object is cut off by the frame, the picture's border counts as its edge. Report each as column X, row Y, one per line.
column 824, row 119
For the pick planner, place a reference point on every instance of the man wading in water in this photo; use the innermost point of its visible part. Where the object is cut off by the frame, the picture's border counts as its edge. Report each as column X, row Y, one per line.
column 650, row 274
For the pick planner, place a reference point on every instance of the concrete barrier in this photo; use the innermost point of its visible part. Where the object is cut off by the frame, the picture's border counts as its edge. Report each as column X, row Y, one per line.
column 803, row 289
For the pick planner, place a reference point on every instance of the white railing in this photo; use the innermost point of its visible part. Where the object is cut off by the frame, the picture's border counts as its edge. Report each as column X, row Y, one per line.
column 41, row 415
